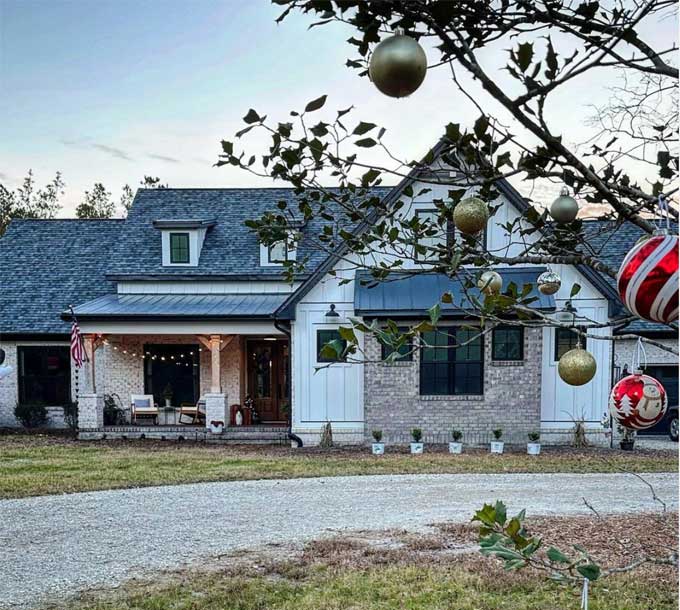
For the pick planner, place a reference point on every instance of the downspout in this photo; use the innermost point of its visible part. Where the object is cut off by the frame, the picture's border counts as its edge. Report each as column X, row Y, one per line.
column 286, row 331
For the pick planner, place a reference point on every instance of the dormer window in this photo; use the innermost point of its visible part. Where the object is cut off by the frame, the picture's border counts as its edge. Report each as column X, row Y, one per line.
column 276, row 254
column 179, row 249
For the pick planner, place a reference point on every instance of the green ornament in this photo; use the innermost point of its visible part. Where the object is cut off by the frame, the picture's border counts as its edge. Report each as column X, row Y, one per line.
column 490, row 282
column 577, row 367
column 564, row 209
column 471, row 215
column 398, row 66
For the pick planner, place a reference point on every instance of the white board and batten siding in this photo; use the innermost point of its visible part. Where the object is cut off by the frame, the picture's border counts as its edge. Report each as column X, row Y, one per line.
column 206, row 287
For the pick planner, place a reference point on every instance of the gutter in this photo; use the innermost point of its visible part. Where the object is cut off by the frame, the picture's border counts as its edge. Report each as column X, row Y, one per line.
column 286, row 331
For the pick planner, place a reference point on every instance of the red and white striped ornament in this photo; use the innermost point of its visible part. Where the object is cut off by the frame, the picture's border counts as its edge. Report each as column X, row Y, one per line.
column 648, row 279
column 638, row 402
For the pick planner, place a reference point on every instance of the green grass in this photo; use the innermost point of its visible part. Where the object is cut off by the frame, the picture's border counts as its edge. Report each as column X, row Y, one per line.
column 380, row 588
column 39, row 465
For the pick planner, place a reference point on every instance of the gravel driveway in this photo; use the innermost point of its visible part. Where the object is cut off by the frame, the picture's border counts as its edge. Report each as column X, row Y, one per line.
column 56, row 545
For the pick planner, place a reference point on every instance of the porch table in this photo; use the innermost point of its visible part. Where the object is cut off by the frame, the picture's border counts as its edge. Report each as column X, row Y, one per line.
column 168, row 416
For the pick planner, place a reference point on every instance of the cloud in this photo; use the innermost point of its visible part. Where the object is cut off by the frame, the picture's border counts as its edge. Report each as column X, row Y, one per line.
column 163, row 158
column 82, row 143
column 4, row 176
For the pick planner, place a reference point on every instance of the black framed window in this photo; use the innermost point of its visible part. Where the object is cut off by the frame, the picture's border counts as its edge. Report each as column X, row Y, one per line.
column 449, row 370
column 179, row 248
column 324, row 336
column 44, row 374
column 405, row 350
column 508, row 343
column 565, row 340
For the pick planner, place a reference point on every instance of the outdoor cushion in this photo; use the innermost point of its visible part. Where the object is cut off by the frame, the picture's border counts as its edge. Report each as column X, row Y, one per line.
column 142, row 403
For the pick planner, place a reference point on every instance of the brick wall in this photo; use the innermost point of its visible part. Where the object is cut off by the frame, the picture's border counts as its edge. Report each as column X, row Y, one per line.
column 625, row 350
column 511, row 400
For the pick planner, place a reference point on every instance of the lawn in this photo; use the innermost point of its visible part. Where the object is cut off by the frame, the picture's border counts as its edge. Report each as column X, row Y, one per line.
column 407, row 571
column 33, row 465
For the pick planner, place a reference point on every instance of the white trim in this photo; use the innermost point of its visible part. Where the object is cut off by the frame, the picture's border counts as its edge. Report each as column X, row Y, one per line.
column 190, row 327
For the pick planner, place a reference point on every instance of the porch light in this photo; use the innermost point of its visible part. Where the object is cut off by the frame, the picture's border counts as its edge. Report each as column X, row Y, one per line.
column 331, row 313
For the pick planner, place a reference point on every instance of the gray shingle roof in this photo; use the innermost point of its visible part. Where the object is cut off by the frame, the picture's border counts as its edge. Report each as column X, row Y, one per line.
column 230, row 248
column 46, row 265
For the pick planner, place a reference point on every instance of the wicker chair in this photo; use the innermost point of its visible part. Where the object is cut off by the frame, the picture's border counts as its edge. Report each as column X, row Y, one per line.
column 194, row 411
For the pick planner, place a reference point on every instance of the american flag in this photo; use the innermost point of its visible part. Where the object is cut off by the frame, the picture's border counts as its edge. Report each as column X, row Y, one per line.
column 77, row 350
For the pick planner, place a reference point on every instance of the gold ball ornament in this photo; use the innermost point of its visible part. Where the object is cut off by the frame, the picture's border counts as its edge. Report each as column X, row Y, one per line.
column 490, row 282
column 471, row 215
column 577, row 367
column 548, row 282
column 564, row 209
column 398, row 66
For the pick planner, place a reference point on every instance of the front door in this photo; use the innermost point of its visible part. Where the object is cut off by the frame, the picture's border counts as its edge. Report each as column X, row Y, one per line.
column 267, row 379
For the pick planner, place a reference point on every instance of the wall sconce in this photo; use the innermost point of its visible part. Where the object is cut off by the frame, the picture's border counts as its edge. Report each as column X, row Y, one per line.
column 331, row 313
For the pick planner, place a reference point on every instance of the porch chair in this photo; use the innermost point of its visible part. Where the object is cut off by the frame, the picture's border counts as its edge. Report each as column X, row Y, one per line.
column 142, row 405
column 195, row 411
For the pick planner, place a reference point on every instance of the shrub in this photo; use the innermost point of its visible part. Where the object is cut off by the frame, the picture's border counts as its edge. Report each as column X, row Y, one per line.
column 497, row 433
column 31, row 415
column 534, row 436
column 417, row 435
column 377, row 435
column 457, row 435
column 326, row 436
column 71, row 416
column 113, row 412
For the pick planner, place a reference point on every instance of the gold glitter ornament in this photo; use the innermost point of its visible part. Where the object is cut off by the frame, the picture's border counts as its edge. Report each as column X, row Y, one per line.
column 471, row 215
column 577, row 367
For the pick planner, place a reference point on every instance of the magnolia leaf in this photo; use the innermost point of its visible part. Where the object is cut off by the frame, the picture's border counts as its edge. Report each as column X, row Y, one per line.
column 575, row 289
column 252, row 117
column 435, row 313
column 363, row 128
column 366, row 142
column 525, row 53
column 556, row 555
column 590, row 571
column 316, row 104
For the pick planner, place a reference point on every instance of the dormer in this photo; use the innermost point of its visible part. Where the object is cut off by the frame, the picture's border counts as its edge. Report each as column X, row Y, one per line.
column 278, row 253
column 182, row 240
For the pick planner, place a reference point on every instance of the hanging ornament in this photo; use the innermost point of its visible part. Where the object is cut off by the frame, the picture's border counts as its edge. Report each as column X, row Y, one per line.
column 548, row 282
column 638, row 401
column 564, row 209
column 648, row 278
column 398, row 65
column 490, row 282
column 471, row 215
column 577, row 367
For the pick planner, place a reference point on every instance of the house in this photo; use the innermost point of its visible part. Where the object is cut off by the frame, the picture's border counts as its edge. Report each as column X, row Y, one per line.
column 181, row 301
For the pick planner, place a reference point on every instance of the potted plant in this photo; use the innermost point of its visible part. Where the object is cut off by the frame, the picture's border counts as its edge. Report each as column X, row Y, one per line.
column 533, row 446
column 456, row 446
column 377, row 448
column 497, row 444
column 216, row 427
column 627, row 442
column 167, row 394
column 416, row 445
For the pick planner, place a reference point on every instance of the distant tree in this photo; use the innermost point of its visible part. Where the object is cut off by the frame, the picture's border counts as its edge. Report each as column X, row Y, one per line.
column 96, row 204
column 149, row 182
column 28, row 202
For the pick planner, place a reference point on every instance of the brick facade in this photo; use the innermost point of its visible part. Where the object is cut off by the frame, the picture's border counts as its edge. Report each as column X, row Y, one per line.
column 511, row 400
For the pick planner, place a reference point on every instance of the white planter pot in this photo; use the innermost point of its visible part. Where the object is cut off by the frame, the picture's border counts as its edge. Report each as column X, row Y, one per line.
column 167, row 403
column 455, row 447
column 216, row 429
column 533, row 448
column 378, row 448
column 238, row 418
column 416, row 448
column 497, row 446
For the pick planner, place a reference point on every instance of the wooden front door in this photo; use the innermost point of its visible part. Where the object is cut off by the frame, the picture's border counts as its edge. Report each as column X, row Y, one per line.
column 267, row 383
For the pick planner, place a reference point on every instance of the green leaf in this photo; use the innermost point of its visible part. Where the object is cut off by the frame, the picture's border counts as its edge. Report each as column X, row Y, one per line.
column 435, row 313
column 525, row 53
column 481, row 125
column 370, row 176
column 501, row 513
column 366, row 142
column 453, row 132
column 363, row 128
column 252, row 117
column 347, row 334
column 575, row 289
column 556, row 555
column 486, row 515
column 447, row 297
column 551, row 61
column 590, row 571
column 316, row 104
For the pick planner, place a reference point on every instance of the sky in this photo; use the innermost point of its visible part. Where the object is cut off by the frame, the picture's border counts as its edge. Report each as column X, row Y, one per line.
column 112, row 90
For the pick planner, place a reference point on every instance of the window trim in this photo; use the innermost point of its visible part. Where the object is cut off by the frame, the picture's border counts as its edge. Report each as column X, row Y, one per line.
column 556, row 357
column 451, row 366
column 21, row 390
column 506, row 327
column 319, row 346
column 171, row 249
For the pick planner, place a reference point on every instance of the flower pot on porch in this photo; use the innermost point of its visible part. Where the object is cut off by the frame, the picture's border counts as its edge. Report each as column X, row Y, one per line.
column 416, row 448
column 497, row 446
column 217, row 427
column 377, row 448
column 627, row 444
column 533, row 448
column 455, row 447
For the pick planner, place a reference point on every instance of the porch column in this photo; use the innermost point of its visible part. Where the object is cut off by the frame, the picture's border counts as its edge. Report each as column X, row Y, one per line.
column 90, row 404
column 215, row 385
column 89, row 343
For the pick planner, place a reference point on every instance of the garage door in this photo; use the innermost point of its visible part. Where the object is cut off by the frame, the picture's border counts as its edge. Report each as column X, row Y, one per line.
column 668, row 376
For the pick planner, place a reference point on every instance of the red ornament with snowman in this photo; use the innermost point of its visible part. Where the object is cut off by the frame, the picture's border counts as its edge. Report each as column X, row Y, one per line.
column 638, row 401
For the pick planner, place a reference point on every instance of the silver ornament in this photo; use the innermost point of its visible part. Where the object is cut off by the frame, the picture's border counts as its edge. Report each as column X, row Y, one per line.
column 471, row 215
column 548, row 282
column 577, row 367
column 564, row 209
column 490, row 282
column 398, row 66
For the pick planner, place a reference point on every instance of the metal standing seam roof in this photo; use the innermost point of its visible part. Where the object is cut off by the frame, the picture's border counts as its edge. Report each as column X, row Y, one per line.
column 412, row 295
column 131, row 306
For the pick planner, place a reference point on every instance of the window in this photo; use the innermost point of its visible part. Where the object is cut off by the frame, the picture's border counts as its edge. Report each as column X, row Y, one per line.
column 566, row 340
column 508, row 343
column 179, row 248
column 432, row 242
column 326, row 336
column 279, row 251
column 405, row 350
column 45, row 374
column 448, row 370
